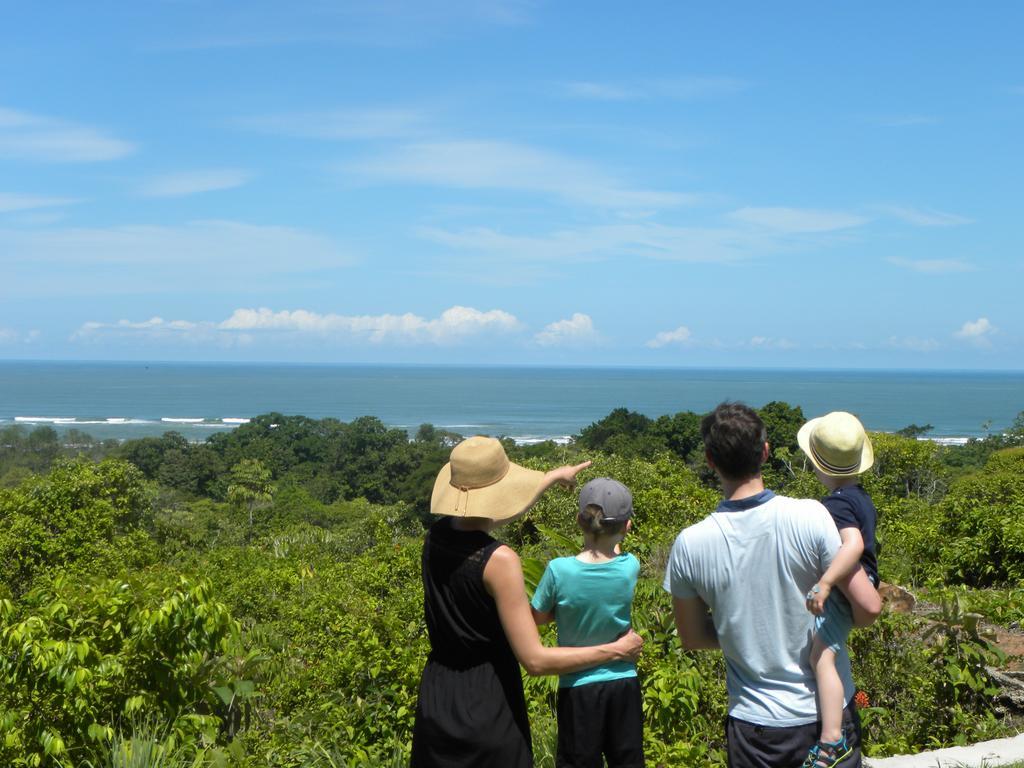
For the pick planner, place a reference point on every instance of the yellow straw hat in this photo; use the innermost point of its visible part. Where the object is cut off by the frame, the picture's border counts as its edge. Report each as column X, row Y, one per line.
column 837, row 444
column 480, row 481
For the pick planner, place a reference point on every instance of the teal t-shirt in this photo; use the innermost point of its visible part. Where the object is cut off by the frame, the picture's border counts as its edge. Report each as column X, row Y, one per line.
column 592, row 604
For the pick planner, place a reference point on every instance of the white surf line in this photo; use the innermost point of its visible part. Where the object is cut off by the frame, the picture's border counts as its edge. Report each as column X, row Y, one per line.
column 984, row 754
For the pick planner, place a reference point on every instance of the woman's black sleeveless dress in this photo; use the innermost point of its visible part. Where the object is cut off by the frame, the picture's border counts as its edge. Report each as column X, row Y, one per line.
column 471, row 711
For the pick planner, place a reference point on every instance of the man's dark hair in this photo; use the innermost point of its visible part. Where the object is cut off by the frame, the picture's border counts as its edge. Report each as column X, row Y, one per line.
column 734, row 437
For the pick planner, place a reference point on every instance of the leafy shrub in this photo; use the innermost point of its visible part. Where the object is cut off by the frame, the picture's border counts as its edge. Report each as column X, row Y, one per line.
column 983, row 525
column 905, row 467
column 79, row 662
column 926, row 682
column 74, row 514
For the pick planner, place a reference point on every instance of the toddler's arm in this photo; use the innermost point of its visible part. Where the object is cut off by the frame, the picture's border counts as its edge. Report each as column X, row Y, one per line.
column 845, row 562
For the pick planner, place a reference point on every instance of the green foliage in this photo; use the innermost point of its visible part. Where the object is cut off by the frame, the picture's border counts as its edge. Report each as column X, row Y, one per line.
column 983, row 524
column 782, row 421
column 914, row 431
column 249, row 485
column 905, row 467
column 25, row 452
column 926, row 681
column 79, row 513
column 622, row 431
column 79, row 661
column 910, row 541
column 325, row 583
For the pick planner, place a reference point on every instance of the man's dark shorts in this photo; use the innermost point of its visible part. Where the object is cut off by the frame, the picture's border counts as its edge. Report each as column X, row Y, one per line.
column 758, row 746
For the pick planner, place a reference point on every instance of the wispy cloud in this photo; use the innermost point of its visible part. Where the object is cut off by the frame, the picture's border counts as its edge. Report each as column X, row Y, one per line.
column 797, row 220
column 680, row 335
column 197, row 256
column 977, row 332
column 508, row 166
column 934, row 266
column 185, row 183
column 912, row 344
column 11, row 337
column 646, row 239
column 25, row 136
column 11, row 203
column 767, row 342
column 342, row 124
column 925, row 217
column 577, row 330
column 684, row 88
column 452, row 326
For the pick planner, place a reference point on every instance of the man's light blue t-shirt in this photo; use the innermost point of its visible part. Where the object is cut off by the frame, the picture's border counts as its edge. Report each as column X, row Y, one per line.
column 751, row 562
column 592, row 604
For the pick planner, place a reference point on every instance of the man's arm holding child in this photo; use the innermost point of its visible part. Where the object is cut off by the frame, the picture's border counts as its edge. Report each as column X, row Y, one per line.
column 845, row 572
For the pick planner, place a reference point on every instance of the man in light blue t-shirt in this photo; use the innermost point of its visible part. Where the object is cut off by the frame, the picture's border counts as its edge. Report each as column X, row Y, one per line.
column 738, row 581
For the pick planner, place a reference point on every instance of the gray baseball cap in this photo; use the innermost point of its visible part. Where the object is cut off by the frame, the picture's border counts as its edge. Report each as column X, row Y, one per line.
column 611, row 496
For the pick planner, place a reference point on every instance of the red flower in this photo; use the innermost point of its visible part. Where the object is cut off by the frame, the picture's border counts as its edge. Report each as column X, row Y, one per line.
column 861, row 700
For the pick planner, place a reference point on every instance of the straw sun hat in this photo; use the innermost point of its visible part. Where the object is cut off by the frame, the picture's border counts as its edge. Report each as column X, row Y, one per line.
column 837, row 444
column 480, row 481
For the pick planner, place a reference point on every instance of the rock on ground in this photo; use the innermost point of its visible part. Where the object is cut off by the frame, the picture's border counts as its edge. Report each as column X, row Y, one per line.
column 984, row 754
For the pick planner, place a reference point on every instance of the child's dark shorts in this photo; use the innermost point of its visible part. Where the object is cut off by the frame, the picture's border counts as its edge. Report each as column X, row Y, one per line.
column 601, row 718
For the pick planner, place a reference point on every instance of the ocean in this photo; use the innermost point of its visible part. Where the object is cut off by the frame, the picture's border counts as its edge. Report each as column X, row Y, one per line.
column 129, row 400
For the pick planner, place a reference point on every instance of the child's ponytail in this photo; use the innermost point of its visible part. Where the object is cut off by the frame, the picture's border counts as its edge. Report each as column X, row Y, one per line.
column 592, row 521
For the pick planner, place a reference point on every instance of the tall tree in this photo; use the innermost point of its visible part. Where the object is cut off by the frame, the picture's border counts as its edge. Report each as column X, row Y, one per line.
column 249, row 486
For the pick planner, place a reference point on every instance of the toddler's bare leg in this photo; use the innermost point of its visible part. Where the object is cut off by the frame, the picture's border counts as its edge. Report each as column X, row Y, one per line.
column 830, row 691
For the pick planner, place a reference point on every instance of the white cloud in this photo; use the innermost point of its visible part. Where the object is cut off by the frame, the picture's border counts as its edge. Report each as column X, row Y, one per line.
column 508, row 166
column 977, row 332
column 342, row 124
column 680, row 335
column 686, row 88
column 767, row 342
column 453, row 324
column 450, row 327
column 186, row 183
column 797, row 220
column 934, row 266
column 926, row 217
column 10, row 203
column 9, row 336
column 576, row 330
column 25, row 136
column 912, row 344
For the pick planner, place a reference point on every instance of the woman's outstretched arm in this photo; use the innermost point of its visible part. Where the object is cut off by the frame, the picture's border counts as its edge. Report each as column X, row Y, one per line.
column 503, row 578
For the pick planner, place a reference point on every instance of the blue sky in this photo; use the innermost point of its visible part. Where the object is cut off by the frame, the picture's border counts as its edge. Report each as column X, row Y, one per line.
column 796, row 184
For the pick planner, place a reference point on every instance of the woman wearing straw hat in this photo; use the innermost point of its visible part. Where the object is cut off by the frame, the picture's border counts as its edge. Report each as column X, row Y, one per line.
column 471, row 710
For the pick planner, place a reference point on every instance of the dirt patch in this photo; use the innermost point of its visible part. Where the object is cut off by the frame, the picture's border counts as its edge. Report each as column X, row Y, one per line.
column 1010, row 642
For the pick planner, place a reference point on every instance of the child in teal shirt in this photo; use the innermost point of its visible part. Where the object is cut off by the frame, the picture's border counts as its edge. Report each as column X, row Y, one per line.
column 600, row 709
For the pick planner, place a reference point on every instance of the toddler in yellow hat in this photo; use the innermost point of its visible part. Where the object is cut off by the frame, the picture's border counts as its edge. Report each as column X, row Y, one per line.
column 840, row 451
